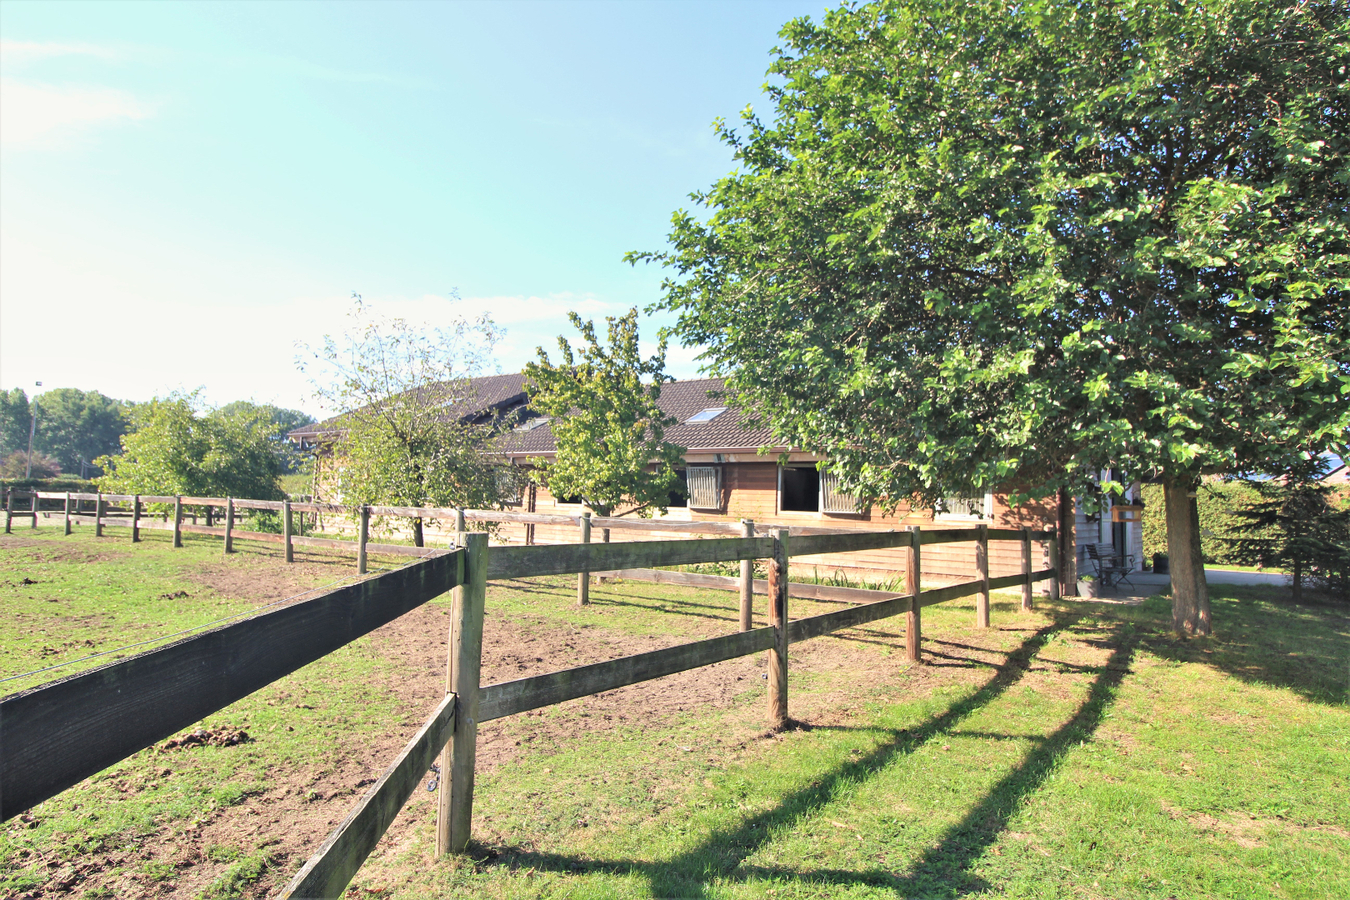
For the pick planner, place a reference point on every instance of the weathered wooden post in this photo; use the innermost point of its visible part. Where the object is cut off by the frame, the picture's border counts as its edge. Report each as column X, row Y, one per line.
column 35, row 508
column 98, row 514
column 209, row 515
column 778, row 618
column 454, row 808
column 913, row 625
column 982, row 565
column 9, row 510
column 1026, row 568
column 286, row 530
column 178, row 520
column 747, row 581
column 67, row 513
column 136, row 518
column 229, row 524
column 460, row 530
column 363, row 538
column 1053, row 545
column 583, row 577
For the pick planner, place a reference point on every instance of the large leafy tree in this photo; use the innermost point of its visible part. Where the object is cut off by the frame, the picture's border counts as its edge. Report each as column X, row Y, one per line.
column 990, row 243
column 75, row 426
column 174, row 447
column 607, row 423
column 413, row 432
column 285, row 420
column 15, row 420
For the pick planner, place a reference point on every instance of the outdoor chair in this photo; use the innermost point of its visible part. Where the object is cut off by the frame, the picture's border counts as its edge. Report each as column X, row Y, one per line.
column 1113, row 569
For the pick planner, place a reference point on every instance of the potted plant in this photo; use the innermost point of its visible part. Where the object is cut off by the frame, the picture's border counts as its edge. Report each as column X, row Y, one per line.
column 1087, row 585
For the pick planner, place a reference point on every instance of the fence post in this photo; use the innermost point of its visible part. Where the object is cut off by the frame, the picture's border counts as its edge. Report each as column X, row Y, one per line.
column 136, row 519
column 98, row 514
column 286, row 529
column 584, row 578
column 1026, row 568
column 209, row 515
column 178, row 520
column 982, row 564
column 1054, row 566
column 778, row 618
column 913, row 625
column 363, row 538
column 459, row 524
column 747, row 581
column 9, row 510
column 454, row 808
column 229, row 524
column 35, row 508
column 67, row 513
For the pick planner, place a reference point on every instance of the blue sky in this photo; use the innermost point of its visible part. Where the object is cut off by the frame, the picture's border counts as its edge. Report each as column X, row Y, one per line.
column 187, row 190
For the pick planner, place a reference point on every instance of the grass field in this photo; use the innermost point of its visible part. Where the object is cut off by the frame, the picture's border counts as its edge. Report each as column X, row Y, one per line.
column 1075, row 751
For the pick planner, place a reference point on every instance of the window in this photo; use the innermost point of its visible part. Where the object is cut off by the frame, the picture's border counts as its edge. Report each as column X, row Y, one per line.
column 532, row 424
column 965, row 506
column 679, row 498
column 832, row 499
column 798, row 489
column 706, row 415
column 510, row 485
column 705, row 487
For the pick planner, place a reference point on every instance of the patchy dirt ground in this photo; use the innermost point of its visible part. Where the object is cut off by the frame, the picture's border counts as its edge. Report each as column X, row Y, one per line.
column 295, row 807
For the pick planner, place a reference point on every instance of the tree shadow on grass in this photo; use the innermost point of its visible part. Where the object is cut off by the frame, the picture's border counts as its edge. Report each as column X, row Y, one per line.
column 1261, row 637
column 941, row 871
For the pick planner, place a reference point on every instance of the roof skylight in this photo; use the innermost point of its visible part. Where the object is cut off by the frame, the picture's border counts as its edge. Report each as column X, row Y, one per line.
column 706, row 415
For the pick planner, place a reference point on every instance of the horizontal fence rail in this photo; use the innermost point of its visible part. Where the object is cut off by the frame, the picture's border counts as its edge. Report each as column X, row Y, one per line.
column 60, row 733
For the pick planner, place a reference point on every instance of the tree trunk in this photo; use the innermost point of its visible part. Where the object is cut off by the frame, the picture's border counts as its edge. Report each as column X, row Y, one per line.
column 1190, row 591
column 417, row 531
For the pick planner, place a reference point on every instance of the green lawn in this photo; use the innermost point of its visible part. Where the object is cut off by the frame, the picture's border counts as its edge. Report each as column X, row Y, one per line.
column 1075, row 751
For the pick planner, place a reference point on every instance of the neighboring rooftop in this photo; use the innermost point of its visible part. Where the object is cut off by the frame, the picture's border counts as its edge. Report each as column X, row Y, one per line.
column 706, row 421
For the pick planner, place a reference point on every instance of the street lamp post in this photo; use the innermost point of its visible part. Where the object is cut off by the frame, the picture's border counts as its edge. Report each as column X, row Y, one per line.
column 32, row 429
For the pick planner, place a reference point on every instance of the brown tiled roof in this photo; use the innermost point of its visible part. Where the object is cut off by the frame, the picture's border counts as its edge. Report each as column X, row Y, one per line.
column 491, row 392
column 681, row 399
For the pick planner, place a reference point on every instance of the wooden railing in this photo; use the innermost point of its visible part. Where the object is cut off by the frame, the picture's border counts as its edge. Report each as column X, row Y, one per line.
column 62, row 732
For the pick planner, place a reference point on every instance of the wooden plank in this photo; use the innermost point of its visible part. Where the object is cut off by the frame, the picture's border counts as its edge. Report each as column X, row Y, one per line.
column 414, row 512
column 206, row 501
column 913, row 573
column 157, row 498
column 982, row 572
column 1005, row 581
column 652, row 526
column 778, row 620
column 950, row 535
column 1005, row 534
column 331, row 868
column 257, row 504
column 747, row 582
column 562, row 559
column 454, row 808
column 1026, row 568
column 520, row 518
column 810, row 545
column 799, row 590
column 584, row 577
column 511, row 697
column 825, row 623
column 62, row 732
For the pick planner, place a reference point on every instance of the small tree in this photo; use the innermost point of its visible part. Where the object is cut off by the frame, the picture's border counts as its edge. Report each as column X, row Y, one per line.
column 1298, row 524
column 607, row 424
column 174, row 448
column 285, row 420
column 413, row 433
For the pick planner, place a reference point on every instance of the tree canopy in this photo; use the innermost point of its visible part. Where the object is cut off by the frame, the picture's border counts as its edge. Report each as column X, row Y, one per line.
column 607, row 425
column 989, row 244
column 175, row 448
column 411, row 433
column 75, row 425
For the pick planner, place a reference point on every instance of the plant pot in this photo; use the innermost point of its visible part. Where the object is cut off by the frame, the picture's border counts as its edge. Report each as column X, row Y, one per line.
column 1160, row 563
column 1087, row 588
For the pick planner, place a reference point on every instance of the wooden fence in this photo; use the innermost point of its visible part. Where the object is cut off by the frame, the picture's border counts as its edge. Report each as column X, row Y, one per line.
column 59, row 733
